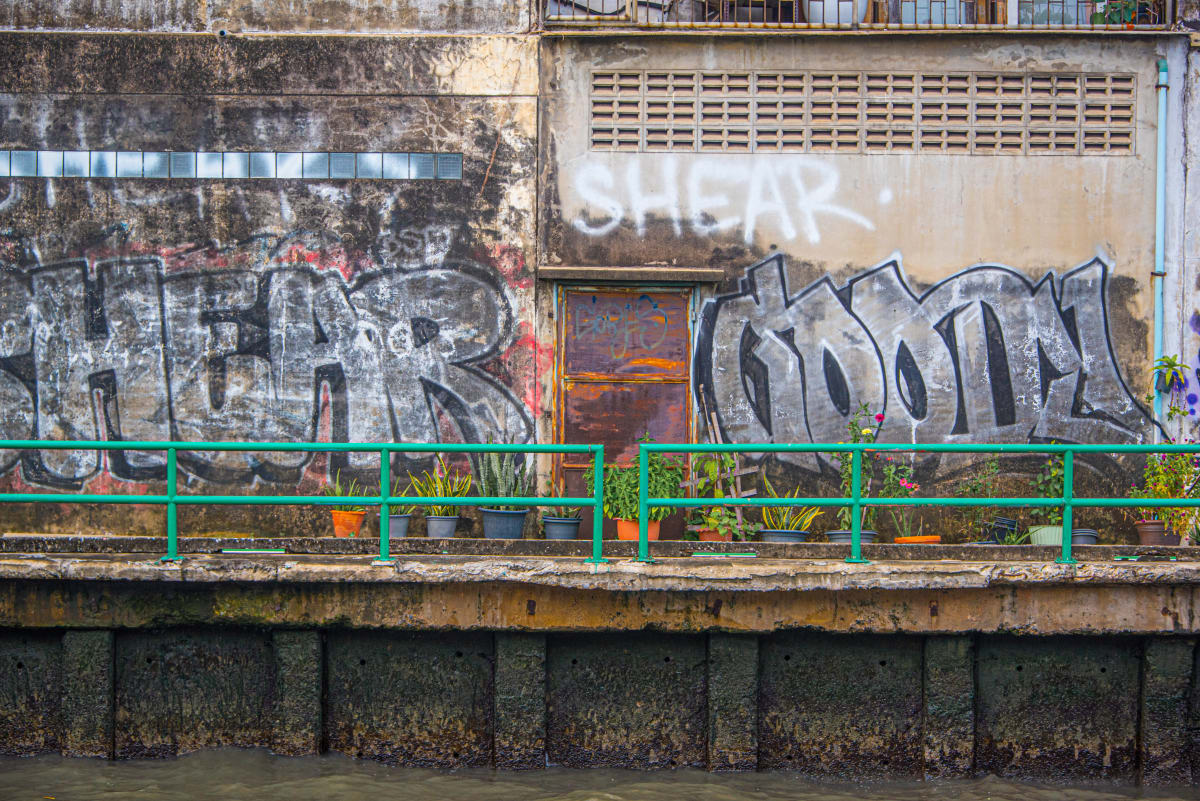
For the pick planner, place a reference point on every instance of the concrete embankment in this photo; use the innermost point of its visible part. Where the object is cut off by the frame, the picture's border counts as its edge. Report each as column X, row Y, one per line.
column 936, row 667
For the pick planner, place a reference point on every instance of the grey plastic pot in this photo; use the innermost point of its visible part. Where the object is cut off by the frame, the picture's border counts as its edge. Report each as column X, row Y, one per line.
column 503, row 525
column 398, row 526
column 782, row 535
column 1084, row 536
column 561, row 528
column 842, row 536
column 440, row 527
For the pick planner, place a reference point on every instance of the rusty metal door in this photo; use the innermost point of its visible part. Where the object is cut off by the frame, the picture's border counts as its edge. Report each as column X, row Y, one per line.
column 623, row 367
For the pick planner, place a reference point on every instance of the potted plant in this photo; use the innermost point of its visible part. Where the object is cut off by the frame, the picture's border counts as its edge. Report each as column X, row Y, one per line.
column 664, row 476
column 503, row 475
column 1167, row 475
column 898, row 483
column 858, row 434
column 564, row 526
column 347, row 518
column 1049, row 484
column 399, row 516
column 712, row 474
column 785, row 523
column 440, row 521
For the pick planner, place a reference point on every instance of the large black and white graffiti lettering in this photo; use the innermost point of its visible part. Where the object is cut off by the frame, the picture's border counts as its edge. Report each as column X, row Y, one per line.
column 259, row 342
column 983, row 356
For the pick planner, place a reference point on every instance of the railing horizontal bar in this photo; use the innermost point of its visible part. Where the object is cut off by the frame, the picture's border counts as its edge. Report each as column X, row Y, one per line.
column 313, row 447
column 865, row 501
column 658, row 447
column 372, row 500
column 43, row 497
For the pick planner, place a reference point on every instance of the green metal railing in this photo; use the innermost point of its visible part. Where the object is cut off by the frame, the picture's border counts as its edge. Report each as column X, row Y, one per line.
column 856, row 501
column 384, row 500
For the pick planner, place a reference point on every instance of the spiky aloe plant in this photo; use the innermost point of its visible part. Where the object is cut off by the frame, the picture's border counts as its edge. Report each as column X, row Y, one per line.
column 503, row 475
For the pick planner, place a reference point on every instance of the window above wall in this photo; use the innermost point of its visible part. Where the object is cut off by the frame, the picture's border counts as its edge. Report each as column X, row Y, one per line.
column 1104, row 15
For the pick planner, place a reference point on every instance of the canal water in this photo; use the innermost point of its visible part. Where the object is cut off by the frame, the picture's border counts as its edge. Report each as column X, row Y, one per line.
column 234, row 775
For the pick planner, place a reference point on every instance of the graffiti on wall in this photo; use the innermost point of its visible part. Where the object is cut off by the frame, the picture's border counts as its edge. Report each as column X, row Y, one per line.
column 984, row 355
column 267, row 340
column 792, row 195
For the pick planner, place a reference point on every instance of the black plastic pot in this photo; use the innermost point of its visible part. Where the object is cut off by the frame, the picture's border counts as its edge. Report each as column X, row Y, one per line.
column 842, row 536
column 1084, row 536
column 501, row 524
column 782, row 535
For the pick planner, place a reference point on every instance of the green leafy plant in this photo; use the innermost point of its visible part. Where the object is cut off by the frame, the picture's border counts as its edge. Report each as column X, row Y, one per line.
column 1168, row 475
column 1012, row 536
column 344, row 489
column 898, row 483
column 786, row 518
column 724, row 521
column 1116, row 12
column 402, row 489
column 503, row 475
column 1049, row 484
column 663, row 477
column 980, row 482
column 713, row 475
column 859, row 433
column 441, row 483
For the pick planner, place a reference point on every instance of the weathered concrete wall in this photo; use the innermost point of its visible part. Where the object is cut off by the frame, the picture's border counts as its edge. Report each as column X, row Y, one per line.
column 970, row 292
column 828, row 706
column 237, row 16
column 264, row 310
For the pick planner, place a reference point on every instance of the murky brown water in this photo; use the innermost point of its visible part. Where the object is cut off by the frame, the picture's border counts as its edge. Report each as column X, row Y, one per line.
column 232, row 775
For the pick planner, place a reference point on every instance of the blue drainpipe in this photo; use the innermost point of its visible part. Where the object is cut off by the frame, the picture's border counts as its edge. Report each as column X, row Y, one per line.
column 1160, row 227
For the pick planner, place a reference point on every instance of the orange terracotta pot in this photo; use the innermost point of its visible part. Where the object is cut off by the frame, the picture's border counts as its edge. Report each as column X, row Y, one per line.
column 347, row 524
column 628, row 529
column 712, row 535
column 926, row 539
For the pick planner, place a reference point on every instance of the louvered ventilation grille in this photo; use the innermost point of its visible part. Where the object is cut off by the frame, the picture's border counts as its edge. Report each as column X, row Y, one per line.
column 873, row 112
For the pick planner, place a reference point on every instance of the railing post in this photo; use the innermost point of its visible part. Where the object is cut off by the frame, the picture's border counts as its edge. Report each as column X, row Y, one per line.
column 1068, row 517
column 385, row 508
column 856, row 508
column 172, row 520
column 643, row 508
column 598, row 509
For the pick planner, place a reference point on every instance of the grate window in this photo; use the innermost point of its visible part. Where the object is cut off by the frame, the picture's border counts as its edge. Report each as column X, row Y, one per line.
column 876, row 111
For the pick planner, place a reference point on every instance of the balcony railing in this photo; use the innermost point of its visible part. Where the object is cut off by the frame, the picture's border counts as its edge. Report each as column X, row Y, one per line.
column 1111, row 15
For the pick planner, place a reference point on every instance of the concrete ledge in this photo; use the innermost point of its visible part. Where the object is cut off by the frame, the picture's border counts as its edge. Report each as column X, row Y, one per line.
column 671, row 575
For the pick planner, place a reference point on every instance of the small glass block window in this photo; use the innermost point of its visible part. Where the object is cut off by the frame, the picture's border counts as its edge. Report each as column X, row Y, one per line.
column 395, row 166
column 183, row 165
column 129, row 164
column 155, row 165
column 316, row 165
column 341, row 165
column 450, row 166
column 3, row 163
column 287, row 165
column 50, row 163
column 262, row 165
column 422, row 166
column 370, row 165
column 75, row 164
column 208, row 165
column 104, row 164
column 236, row 165
column 24, row 163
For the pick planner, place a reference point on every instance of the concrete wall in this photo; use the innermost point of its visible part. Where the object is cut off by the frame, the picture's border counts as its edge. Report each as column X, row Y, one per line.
column 825, row 705
column 269, row 309
column 228, row 16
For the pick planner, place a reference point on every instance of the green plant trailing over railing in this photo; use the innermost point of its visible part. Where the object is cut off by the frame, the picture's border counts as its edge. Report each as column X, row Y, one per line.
column 441, row 483
column 786, row 518
column 1049, row 484
column 348, row 489
column 859, row 434
column 502, row 475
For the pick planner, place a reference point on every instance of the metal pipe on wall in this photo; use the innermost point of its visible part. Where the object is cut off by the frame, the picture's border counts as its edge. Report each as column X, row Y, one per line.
column 1160, row 225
